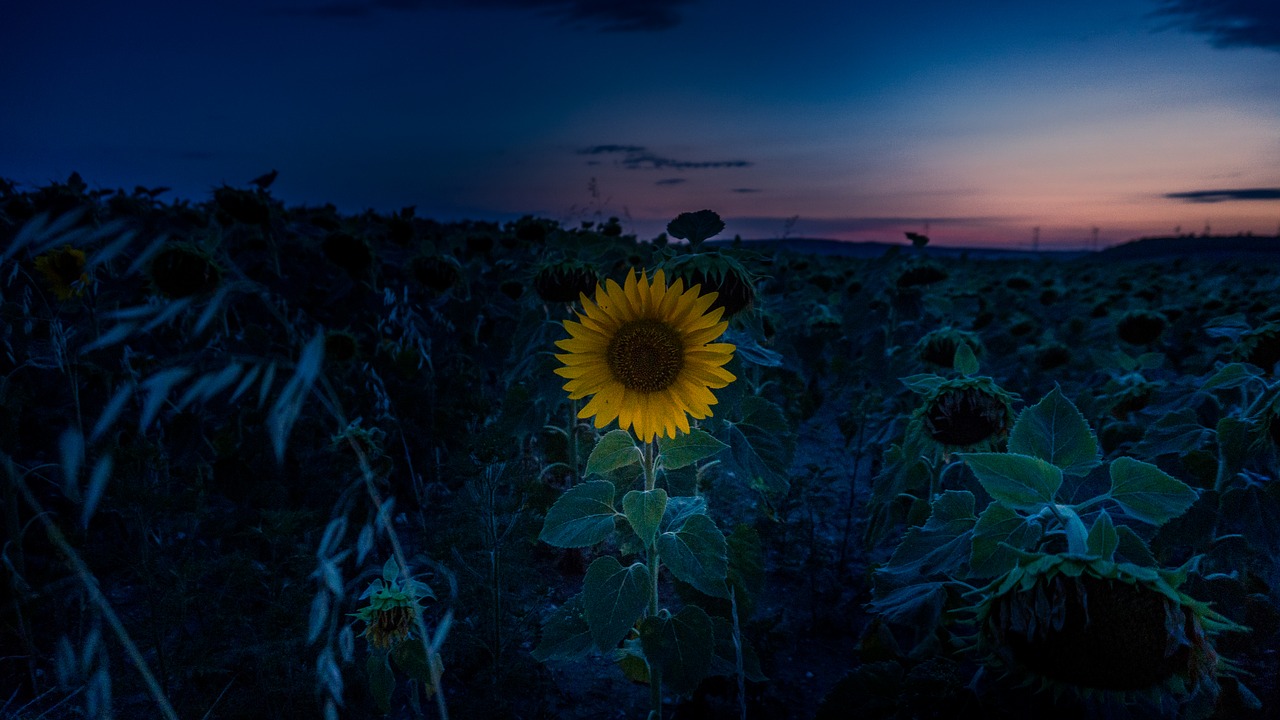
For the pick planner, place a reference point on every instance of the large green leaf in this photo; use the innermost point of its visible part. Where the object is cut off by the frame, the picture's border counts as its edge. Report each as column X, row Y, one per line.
column 1235, row 440
column 382, row 682
column 682, row 645
column 1133, row 548
column 965, row 362
column 924, row 383
column 1103, row 539
column 1229, row 376
column 761, row 446
column 697, row 554
column 725, row 660
column 1253, row 510
column 998, row 524
column 680, row 509
column 644, row 510
column 617, row 449
column 687, row 449
column 581, row 517
column 411, row 657
column 939, row 547
column 746, row 566
column 917, row 605
column 565, row 635
column 1176, row 432
column 1148, row 493
column 613, row 597
column 1055, row 431
column 1020, row 482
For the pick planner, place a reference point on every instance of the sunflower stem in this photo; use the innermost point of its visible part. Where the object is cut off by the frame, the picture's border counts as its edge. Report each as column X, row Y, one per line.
column 651, row 552
column 573, row 441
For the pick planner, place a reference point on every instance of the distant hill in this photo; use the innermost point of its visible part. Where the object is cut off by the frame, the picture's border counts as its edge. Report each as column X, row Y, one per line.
column 842, row 248
column 1215, row 247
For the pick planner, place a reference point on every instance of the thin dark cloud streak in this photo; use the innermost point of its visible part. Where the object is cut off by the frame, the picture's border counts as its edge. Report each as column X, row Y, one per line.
column 599, row 15
column 638, row 157
column 1228, row 23
column 1215, row 196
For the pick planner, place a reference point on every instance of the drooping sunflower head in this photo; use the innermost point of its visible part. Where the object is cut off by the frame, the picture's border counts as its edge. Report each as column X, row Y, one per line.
column 183, row 270
column 63, row 268
column 1099, row 628
column 970, row 414
column 1261, row 347
column 716, row 272
column 1140, row 327
column 644, row 353
column 564, row 281
column 392, row 612
column 389, row 618
column 938, row 347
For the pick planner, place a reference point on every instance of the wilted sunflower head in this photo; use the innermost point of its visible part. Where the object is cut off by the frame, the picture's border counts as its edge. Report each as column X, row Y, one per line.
column 63, row 268
column 564, row 281
column 1097, row 628
column 1140, row 327
column 389, row 617
column 643, row 351
column 1261, row 347
column 733, row 284
column 182, row 270
column 393, row 608
column 939, row 346
column 969, row 414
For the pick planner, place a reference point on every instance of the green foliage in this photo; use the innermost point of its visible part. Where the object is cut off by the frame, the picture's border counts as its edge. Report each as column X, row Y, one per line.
column 965, row 363
column 1148, row 493
column 1055, row 431
column 565, row 634
column 697, row 553
column 680, row 646
column 761, row 445
column 613, row 598
column 1020, row 482
column 582, row 517
column 644, row 510
column 382, row 681
column 688, row 448
column 1025, row 515
column 1103, row 539
column 617, row 449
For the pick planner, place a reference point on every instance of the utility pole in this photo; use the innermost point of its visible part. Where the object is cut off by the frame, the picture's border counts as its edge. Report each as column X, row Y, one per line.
column 1093, row 244
column 1035, row 239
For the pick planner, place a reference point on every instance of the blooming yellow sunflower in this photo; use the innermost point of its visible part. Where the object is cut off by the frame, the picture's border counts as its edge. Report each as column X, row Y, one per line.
column 644, row 352
column 62, row 269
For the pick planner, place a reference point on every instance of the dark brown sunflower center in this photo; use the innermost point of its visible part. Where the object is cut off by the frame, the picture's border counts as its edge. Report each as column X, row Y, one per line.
column 646, row 355
column 68, row 267
column 965, row 417
column 1097, row 633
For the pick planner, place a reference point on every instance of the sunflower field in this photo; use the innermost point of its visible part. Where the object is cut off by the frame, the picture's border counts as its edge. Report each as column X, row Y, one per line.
column 278, row 462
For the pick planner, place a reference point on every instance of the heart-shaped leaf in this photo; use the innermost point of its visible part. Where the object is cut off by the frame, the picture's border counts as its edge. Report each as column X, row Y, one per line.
column 582, row 517
column 613, row 597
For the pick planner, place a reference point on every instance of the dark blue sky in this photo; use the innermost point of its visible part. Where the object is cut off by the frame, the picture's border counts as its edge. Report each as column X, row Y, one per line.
column 853, row 120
